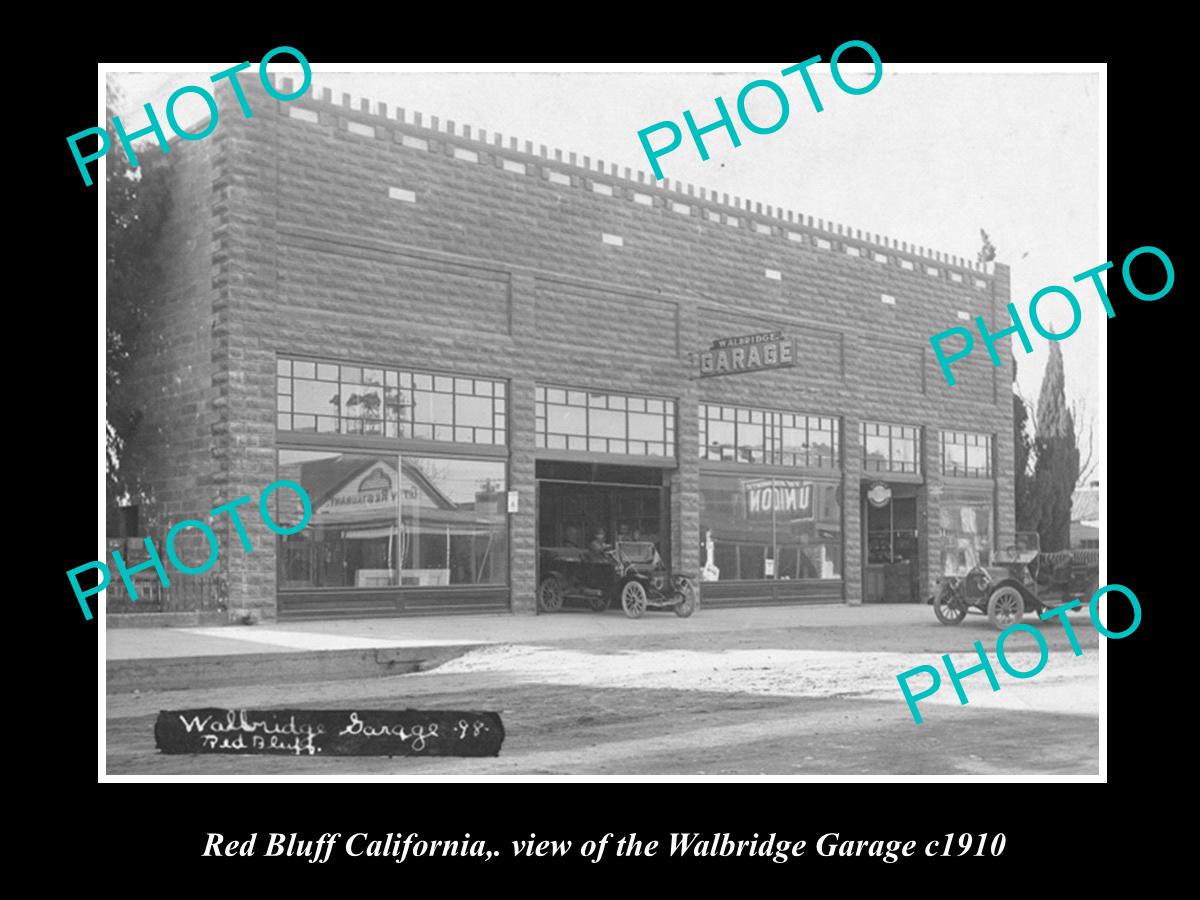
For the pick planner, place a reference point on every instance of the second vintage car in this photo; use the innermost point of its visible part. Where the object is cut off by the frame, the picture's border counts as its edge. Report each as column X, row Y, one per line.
column 1020, row 579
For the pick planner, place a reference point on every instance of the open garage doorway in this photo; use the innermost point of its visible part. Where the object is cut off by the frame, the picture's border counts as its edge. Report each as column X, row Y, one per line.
column 585, row 506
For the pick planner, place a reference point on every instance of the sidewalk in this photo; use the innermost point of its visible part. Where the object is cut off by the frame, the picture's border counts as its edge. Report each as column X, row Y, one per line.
column 175, row 658
column 279, row 637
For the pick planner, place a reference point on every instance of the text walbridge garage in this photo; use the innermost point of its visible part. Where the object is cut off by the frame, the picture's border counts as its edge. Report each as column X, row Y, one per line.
column 483, row 359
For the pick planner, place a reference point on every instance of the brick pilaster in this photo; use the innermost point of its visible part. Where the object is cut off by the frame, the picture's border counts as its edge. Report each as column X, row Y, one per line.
column 685, row 484
column 522, row 525
column 852, row 564
column 929, row 514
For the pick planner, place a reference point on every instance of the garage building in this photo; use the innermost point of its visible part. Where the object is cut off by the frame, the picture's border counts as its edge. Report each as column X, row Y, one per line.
column 469, row 349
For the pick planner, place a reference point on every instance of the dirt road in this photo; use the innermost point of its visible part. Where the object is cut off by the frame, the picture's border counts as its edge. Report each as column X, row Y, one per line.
column 783, row 701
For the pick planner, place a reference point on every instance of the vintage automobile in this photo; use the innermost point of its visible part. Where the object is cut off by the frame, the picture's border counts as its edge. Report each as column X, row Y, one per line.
column 1019, row 580
column 631, row 572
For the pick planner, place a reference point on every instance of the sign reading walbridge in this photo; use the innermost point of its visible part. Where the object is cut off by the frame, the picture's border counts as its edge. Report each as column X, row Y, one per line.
column 748, row 353
column 312, row 732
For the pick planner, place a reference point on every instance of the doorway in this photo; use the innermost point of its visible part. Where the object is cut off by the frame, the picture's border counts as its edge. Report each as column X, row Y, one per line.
column 576, row 501
column 892, row 541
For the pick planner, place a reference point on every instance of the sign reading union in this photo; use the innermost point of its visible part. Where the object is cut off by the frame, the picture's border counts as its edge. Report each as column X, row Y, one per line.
column 748, row 353
column 776, row 496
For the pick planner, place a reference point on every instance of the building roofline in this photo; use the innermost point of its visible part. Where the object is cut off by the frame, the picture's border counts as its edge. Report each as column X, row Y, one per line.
column 364, row 110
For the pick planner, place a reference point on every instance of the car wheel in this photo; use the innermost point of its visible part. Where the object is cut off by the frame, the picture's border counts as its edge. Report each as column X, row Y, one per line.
column 949, row 607
column 600, row 604
column 1005, row 606
column 687, row 605
column 550, row 594
column 633, row 599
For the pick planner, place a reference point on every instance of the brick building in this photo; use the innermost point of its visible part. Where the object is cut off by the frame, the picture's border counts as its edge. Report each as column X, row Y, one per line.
column 414, row 319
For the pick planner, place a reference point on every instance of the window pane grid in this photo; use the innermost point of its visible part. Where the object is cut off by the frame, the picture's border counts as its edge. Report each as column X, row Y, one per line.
column 604, row 422
column 330, row 398
column 966, row 454
column 761, row 436
column 890, row 448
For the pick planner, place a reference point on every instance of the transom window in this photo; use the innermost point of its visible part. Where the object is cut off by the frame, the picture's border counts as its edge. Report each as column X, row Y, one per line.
column 330, row 398
column 966, row 454
column 604, row 423
column 741, row 434
column 890, row 448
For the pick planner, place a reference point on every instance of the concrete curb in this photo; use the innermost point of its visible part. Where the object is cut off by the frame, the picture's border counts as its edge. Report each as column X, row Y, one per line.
column 123, row 676
column 165, row 620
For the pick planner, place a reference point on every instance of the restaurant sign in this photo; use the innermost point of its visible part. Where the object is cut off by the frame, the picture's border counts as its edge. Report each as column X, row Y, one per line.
column 748, row 353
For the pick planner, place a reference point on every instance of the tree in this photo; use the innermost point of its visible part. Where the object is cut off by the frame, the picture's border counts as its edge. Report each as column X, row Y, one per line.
column 1022, row 454
column 1057, row 467
column 1089, row 461
column 136, row 208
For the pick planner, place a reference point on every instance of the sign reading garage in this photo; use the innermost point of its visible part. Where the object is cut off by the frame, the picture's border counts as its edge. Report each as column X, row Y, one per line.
column 748, row 353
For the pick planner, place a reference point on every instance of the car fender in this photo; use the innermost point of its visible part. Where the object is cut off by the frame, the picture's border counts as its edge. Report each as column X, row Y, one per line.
column 628, row 577
column 1031, row 599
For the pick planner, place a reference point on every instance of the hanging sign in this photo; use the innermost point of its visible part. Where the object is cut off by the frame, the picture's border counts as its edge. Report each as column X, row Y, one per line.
column 879, row 494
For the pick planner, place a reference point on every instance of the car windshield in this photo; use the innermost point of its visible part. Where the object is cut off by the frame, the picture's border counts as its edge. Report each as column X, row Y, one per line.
column 636, row 551
column 1023, row 548
column 960, row 558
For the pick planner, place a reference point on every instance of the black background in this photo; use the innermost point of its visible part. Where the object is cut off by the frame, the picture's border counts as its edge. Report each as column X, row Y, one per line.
column 1065, row 831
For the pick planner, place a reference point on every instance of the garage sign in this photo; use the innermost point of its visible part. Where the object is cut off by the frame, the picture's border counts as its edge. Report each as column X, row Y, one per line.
column 748, row 353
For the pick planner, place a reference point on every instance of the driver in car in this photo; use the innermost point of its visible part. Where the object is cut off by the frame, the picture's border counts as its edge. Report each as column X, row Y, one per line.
column 598, row 544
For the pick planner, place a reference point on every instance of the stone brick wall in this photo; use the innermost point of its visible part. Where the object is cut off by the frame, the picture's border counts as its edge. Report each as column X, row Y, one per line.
column 348, row 233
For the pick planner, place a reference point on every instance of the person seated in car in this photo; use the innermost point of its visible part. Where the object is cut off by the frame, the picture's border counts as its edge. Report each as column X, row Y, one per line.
column 598, row 545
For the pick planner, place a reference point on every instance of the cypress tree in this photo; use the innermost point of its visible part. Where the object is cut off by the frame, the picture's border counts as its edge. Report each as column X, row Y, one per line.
column 1057, row 466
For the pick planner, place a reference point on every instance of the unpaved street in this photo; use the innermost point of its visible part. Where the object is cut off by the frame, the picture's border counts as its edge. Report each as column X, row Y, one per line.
column 780, row 701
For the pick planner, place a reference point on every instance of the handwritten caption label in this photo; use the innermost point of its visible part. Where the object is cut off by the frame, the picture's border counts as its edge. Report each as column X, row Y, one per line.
column 309, row 732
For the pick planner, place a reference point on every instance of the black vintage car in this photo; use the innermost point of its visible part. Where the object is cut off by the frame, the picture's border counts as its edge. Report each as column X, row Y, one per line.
column 1020, row 579
column 631, row 573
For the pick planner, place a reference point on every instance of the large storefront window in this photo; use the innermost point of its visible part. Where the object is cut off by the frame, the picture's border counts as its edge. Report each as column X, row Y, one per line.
column 741, row 434
column 966, row 536
column 387, row 520
column 769, row 527
column 604, row 423
column 966, row 454
column 890, row 448
column 338, row 399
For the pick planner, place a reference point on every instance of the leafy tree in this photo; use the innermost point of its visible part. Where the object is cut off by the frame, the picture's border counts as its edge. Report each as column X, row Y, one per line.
column 1057, row 468
column 136, row 208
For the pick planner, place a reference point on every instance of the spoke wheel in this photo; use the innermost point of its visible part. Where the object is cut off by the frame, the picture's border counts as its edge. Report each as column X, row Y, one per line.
column 633, row 599
column 550, row 594
column 949, row 607
column 687, row 605
column 1005, row 606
